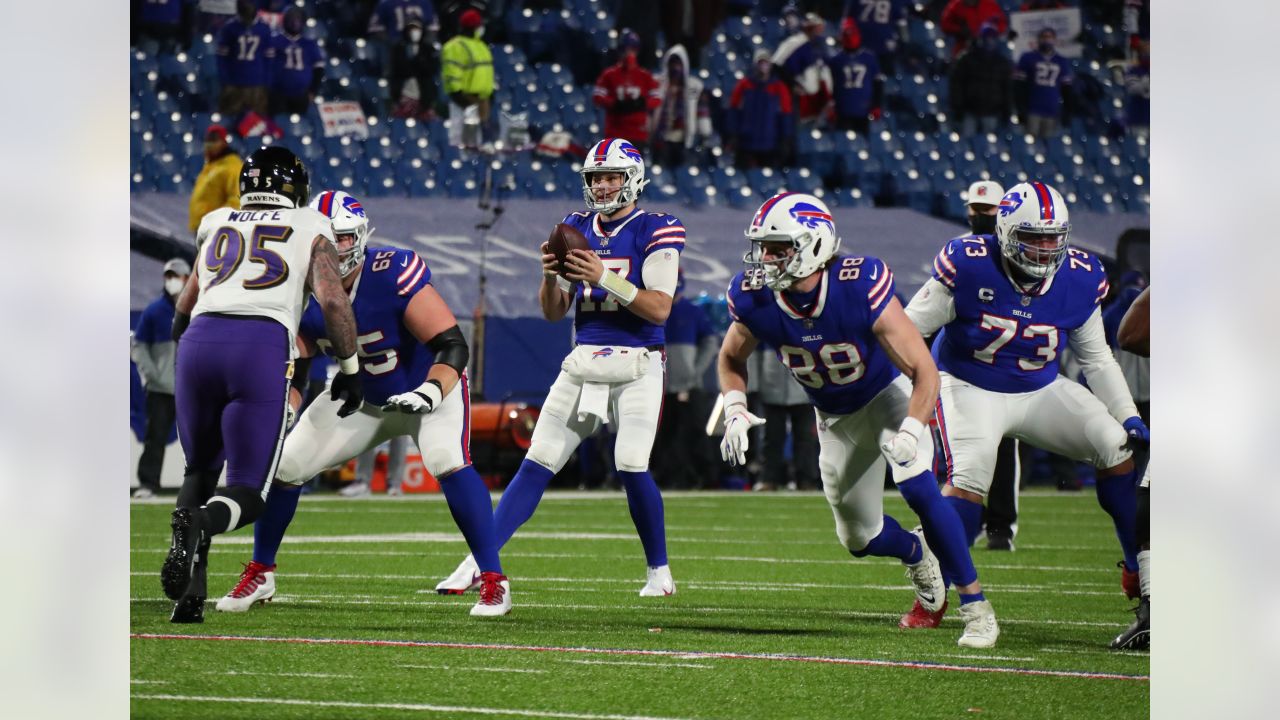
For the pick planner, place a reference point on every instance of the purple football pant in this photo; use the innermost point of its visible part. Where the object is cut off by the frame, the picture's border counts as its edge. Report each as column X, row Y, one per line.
column 231, row 392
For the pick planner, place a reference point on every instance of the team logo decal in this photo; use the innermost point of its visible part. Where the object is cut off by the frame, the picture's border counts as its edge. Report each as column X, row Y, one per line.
column 811, row 216
column 602, row 352
column 1009, row 203
column 353, row 206
column 630, row 151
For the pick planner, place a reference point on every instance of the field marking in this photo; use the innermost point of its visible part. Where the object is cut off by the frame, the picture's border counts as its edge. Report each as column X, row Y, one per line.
column 275, row 674
column 446, row 602
column 640, row 664
column 472, row 668
column 970, row 656
column 422, row 707
column 133, row 681
column 1095, row 651
column 867, row 662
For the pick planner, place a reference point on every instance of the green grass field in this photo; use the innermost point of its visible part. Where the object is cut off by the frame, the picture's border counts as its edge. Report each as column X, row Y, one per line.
column 772, row 619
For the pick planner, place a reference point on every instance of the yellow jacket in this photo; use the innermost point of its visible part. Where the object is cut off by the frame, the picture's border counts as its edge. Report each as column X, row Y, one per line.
column 217, row 185
column 467, row 66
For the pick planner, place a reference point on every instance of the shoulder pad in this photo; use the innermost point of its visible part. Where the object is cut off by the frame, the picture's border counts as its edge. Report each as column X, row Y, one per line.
column 746, row 292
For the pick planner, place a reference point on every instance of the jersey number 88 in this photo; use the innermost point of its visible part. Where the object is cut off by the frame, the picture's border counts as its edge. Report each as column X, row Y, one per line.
column 839, row 370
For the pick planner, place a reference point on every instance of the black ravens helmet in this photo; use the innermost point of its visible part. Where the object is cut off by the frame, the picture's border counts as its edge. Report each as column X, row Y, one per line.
column 273, row 175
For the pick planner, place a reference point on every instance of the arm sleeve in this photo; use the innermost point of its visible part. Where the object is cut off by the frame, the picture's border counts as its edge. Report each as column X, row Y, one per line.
column 661, row 271
column 1101, row 369
column 932, row 307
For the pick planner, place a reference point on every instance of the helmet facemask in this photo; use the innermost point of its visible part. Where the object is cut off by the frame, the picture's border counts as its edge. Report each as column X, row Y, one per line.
column 780, row 271
column 349, row 259
column 627, row 192
column 1037, row 252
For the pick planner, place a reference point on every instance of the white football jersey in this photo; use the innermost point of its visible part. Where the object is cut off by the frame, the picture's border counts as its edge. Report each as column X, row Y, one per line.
column 256, row 262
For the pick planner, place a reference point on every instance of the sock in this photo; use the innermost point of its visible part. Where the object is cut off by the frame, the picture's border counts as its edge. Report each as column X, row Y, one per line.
column 647, row 513
column 472, row 510
column 268, row 531
column 976, row 597
column 942, row 528
column 520, row 499
column 198, row 487
column 970, row 516
column 1118, row 495
column 1142, row 528
column 1144, row 572
column 893, row 542
column 233, row 508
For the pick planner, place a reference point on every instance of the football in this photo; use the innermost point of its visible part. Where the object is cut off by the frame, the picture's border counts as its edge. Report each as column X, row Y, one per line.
column 563, row 239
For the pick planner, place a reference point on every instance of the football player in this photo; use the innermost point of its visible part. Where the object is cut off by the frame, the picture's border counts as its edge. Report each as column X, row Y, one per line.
column 235, row 323
column 1007, row 305
column 834, row 321
column 622, row 291
column 413, row 360
column 1134, row 335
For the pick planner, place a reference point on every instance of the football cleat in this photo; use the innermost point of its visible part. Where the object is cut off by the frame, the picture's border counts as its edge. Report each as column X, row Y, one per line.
column 495, row 596
column 918, row 617
column 189, row 534
column 1129, row 582
column 926, row 576
column 355, row 489
column 658, row 582
column 980, row 628
column 190, row 609
column 143, row 493
column 996, row 541
column 257, row 584
column 465, row 579
column 1138, row 635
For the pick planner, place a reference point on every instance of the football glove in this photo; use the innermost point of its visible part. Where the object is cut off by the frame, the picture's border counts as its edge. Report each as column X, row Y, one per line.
column 419, row 401
column 1137, row 430
column 347, row 388
column 737, row 425
column 903, row 448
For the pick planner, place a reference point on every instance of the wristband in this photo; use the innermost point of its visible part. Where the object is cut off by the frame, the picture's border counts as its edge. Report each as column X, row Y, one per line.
column 349, row 365
column 618, row 286
column 564, row 284
column 431, row 391
column 734, row 397
column 912, row 427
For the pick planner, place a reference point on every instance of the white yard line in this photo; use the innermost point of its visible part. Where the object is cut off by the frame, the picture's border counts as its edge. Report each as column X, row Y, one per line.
column 275, row 674
column 641, row 664
column 420, row 707
column 472, row 668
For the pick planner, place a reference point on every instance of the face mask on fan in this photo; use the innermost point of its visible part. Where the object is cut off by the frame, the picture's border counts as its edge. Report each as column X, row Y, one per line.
column 173, row 285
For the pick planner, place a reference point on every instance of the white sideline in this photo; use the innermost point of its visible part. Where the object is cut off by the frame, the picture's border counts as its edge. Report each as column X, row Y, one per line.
column 421, row 707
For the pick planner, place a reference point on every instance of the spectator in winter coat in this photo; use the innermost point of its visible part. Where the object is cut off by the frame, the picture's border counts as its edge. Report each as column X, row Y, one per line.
column 859, row 86
column 1043, row 80
column 682, row 119
column 414, row 68
column 981, row 85
column 760, row 120
column 962, row 21
column 297, row 65
column 801, row 60
column 627, row 93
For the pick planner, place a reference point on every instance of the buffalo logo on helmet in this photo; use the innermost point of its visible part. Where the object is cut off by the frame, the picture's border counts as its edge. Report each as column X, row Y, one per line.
column 811, row 216
column 353, row 206
column 630, row 151
column 1010, row 203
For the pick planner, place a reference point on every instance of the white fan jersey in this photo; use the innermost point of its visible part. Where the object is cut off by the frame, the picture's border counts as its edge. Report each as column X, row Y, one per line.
column 256, row 262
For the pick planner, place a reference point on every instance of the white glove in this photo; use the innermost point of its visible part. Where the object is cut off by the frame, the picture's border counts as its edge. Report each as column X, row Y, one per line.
column 418, row 401
column 738, row 423
column 902, row 449
column 290, row 415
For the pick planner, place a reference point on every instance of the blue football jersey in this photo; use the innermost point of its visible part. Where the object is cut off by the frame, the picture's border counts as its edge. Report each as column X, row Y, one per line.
column 1002, row 339
column 392, row 360
column 598, row 318
column 831, row 348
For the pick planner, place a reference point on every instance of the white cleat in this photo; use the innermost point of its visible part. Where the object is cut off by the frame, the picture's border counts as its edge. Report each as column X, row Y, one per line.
column 355, row 489
column 980, row 628
column 659, row 583
column 926, row 576
column 465, row 579
column 257, row 584
column 495, row 596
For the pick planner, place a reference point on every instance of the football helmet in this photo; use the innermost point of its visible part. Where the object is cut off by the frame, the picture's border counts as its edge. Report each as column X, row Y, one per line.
column 613, row 155
column 273, row 175
column 1033, row 228
column 800, row 219
column 348, row 218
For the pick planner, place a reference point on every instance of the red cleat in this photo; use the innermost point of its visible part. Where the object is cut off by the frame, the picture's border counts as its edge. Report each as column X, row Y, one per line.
column 921, row 618
column 1129, row 582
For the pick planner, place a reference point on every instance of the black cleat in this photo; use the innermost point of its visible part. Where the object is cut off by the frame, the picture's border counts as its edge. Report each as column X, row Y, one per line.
column 997, row 541
column 190, row 609
column 1138, row 636
column 189, row 536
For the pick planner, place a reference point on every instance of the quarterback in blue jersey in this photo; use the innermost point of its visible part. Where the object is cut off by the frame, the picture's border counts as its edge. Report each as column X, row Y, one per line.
column 1007, row 305
column 413, row 361
column 622, row 291
column 835, row 322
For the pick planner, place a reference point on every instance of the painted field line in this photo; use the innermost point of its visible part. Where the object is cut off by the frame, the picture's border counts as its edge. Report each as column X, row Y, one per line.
column 252, row 673
column 772, row 612
column 148, row 682
column 473, row 668
column 711, row 655
column 640, row 664
column 420, row 707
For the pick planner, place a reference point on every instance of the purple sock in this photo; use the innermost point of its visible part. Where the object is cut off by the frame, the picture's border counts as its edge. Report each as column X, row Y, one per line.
column 472, row 510
column 268, row 531
column 1118, row 495
column 892, row 542
column 647, row 513
column 520, row 499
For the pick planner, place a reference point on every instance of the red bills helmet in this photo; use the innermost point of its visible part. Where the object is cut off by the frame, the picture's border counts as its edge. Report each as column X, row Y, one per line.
column 1033, row 229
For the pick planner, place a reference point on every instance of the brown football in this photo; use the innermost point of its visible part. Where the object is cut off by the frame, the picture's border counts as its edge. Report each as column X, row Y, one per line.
column 563, row 239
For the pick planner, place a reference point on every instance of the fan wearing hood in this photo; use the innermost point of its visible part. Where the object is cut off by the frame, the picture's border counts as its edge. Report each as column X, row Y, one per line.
column 682, row 117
